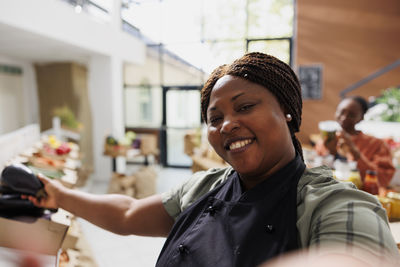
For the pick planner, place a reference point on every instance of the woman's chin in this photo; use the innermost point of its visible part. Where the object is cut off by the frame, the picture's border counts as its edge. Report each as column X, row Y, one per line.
column 244, row 168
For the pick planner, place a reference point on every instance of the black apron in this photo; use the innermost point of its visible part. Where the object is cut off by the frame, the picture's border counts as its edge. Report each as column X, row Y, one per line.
column 227, row 227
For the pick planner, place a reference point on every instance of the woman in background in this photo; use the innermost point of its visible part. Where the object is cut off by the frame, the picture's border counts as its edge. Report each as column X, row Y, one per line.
column 369, row 152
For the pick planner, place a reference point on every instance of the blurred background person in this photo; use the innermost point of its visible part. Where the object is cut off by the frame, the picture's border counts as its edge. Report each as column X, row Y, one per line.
column 369, row 152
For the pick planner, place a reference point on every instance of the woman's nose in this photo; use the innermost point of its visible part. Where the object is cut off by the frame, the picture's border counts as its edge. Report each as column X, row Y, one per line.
column 229, row 125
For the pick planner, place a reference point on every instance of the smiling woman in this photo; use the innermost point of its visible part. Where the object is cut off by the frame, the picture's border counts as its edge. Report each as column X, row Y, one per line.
column 265, row 204
column 241, row 116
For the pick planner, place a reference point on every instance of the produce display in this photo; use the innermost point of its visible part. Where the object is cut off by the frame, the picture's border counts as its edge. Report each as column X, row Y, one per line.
column 56, row 149
column 52, row 158
column 119, row 147
column 57, row 160
column 353, row 176
column 46, row 162
column 391, row 202
column 53, row 174
column 67, row 118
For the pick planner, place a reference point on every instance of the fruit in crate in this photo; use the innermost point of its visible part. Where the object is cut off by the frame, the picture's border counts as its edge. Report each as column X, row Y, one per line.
column 53, row 141
column 124, row 141
column 63, row 149
column 67, row 117
column 127, row 139
column 110, row 140
column 130, row 135
column 42, row 161
column 56, row 149
column 136, row 143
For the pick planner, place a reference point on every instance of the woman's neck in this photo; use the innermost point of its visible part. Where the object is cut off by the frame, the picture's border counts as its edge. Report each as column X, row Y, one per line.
column 353, row 132
column 248, row 181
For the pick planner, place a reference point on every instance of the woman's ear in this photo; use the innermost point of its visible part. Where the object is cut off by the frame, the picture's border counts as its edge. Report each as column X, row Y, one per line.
column 287, row 114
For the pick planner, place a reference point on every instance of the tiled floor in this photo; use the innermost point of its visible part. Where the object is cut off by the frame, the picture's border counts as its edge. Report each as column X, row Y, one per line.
column 111, row 250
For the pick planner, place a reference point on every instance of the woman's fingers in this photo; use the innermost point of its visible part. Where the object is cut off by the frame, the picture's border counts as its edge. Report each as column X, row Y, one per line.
column 47, row 181
column 35, row 201
column 30, row 198
column 43, row 178
column 51, row 187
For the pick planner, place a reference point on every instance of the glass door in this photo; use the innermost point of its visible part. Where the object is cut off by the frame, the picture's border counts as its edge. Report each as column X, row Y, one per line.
column 182, row 113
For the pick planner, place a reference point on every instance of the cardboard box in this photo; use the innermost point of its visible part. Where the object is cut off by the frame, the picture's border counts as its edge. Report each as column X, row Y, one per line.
column 40, row 235
column 73, row 234
column 146, row 181
column 70, row 178
column 148, row 144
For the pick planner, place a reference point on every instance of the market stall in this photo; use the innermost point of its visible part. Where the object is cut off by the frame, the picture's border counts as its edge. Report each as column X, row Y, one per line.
column 50, row 236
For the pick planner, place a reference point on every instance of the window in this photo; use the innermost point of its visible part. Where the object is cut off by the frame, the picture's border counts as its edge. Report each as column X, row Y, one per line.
column 186, row 40
column 143, row 107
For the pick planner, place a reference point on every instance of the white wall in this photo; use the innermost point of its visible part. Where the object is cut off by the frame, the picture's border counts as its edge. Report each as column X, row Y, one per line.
column 14, row 143
column 105, row 93
column 22, row 109
column 100, row 95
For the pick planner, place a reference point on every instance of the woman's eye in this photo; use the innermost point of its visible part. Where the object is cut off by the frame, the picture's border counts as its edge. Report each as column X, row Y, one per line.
column 214, row 120
column 246, row 107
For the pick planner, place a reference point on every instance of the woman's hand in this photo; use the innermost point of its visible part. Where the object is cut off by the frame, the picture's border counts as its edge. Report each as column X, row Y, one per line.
column 346, row 147
column 52, row 188
column 331, row 144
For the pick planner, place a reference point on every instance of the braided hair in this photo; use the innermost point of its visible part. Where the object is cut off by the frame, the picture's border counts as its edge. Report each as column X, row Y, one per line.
column 361, row 101
column 269, row 72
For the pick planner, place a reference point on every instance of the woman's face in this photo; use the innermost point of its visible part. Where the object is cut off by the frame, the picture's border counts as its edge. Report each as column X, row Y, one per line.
column 247, row 127
column 348, row 114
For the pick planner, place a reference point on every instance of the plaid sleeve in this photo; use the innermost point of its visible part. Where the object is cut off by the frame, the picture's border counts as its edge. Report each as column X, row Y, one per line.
column 337, row 214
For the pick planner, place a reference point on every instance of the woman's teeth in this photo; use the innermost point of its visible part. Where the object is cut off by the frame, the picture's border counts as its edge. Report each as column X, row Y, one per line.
column 239, row 144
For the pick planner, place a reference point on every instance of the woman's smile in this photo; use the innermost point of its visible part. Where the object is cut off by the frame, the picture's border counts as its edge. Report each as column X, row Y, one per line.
column 239, row 145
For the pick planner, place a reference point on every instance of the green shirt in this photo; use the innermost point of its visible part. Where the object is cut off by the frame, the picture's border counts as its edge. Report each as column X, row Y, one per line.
column 329, row 212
